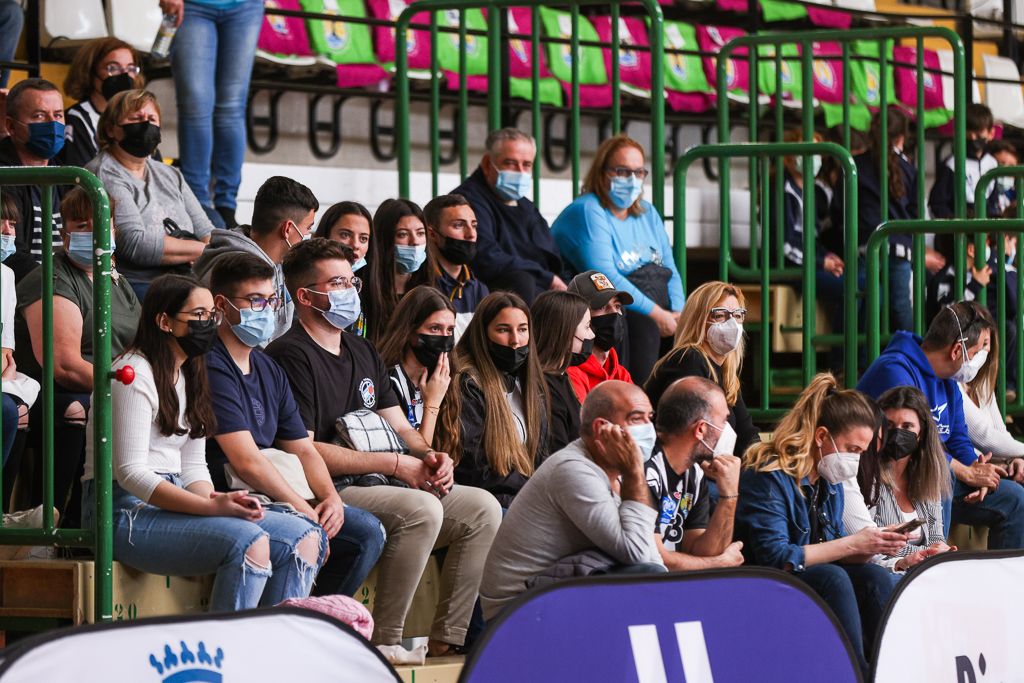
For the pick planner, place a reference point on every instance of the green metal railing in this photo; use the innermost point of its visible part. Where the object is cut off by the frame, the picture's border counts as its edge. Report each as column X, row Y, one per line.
column 805, row 41
column 100, row 539
column 759, row 154
column 497, row 52
column 981, row 211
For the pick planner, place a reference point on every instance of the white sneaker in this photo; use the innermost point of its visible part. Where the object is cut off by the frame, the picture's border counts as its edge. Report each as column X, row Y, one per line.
column 27, row 519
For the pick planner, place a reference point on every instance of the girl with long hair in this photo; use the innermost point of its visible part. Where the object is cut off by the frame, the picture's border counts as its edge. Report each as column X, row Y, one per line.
column 348, row 223
column 709, row 344
column 167, row 517
column 500, row 403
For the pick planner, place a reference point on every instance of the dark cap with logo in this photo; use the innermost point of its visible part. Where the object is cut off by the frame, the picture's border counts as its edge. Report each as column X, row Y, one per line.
column 597, row 289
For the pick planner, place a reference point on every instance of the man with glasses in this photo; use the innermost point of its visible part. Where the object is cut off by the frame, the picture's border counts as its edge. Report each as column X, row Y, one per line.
column 955, row 349
column 515, row 250
column 282, row 217
column 261, row 442
column 334, row 373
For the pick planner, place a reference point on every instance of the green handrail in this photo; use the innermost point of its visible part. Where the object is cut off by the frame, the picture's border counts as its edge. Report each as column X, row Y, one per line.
column 495, row 51
column 101, row 540
column 762, row 151
column 981, row 211
column 805, row 40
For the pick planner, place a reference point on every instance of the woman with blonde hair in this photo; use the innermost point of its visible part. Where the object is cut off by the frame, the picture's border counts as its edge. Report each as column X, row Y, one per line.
column 790, row 511
column 501, row 401
column 610, row 229
column 709, row 344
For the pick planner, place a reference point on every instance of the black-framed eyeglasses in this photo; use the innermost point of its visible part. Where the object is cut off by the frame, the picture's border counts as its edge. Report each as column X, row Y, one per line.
column 258, row 303
column 116, row 70
column 339, row 282
column 202, row 315
column 625, row 172
column 720, row 315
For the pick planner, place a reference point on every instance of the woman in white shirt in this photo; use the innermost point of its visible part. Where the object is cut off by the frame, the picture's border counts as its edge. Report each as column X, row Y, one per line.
column 167, row 517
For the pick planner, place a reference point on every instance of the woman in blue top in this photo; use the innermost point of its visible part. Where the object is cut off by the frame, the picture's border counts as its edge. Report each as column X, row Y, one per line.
column 610, row 229
column 790, row 512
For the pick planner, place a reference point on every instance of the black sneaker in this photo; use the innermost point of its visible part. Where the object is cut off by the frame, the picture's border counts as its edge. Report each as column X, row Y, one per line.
column 229, row 217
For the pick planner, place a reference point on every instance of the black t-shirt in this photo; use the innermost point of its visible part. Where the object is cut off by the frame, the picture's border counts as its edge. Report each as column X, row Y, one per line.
column 327, row 386
column 682, row 501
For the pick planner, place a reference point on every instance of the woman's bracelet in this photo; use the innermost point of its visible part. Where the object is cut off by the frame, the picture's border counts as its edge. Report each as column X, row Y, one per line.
column 395, row 473
column 433, row 409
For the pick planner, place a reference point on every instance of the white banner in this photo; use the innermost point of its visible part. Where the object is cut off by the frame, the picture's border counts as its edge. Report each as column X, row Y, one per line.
column 957, row 620
column 280, row 644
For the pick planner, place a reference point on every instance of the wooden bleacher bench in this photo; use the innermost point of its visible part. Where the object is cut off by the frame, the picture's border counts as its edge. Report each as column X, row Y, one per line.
column 785, row 307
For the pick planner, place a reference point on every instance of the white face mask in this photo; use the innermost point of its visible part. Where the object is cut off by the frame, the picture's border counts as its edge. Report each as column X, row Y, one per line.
column 835, row 468
column 970, row 367
column 726, row 440
column 644, row 436
column 724, row 337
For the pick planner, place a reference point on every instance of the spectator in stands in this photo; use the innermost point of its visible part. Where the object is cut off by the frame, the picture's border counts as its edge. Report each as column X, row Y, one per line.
column 417, row 349
column 35, row 123
column 904, row 481
column 709, row 344
column 19, row 391
column 282, row 217
column 348, row 223
column 609, row 326
column 515, row 249
column 72, row 343
column 688, row 534
column 980, row 127
column 500, row 403
column 12, row 18
column 258, row 426
column 99, row 70
column 211, row 60
column 162, row 228
column 985, row 423
column 575, row 516
column 334, row 373
column 609, row 228
column 1005, row 153
column 562, row 340
column 790, row 513
column 164, row 501
column 953, row 350
column 451, row 237
column 830, row 178
column 399, row 261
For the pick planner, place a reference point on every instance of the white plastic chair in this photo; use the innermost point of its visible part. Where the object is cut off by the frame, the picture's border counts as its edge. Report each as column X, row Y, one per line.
column 863, row 5
column 134, row 21
column 72, row 21
column 1006, row 100
column 946, row 64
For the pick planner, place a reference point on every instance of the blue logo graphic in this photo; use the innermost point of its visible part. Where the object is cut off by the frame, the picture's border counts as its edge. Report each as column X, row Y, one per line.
column 187, row 666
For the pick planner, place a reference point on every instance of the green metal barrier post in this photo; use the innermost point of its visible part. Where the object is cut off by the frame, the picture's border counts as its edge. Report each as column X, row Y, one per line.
column 101, row 540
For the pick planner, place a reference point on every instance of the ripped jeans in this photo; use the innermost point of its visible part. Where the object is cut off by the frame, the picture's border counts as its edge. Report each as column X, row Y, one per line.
column 154, row 540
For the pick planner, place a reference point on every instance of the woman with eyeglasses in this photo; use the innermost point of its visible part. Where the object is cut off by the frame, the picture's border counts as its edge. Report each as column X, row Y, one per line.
column 168, row 519
column 790, row 510
column 99, row 70
column 709, row 344
column 611, row 229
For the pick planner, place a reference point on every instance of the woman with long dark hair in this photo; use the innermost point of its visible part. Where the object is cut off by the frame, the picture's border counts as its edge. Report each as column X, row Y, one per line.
column 167, row 517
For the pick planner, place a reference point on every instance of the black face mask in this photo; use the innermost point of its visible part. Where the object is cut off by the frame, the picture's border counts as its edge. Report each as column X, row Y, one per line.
column 115, row 84
column 200, row 337
column 976, row 147
column 609, row 330
column 584, row 353
column 140, row 139
column 429, row 347
column 459, row 252
column 507, row 359
column 899, row 444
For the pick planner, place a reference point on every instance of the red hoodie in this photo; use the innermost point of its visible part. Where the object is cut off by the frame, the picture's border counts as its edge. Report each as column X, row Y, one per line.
column 591, row 373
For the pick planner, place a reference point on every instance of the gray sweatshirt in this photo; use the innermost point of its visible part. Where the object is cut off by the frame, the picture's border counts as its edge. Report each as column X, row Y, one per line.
column 566, row 507
column 141, row 207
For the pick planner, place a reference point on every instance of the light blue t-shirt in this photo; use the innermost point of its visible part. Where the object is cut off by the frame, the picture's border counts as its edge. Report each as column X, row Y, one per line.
column 590, row 237
column 218, row 4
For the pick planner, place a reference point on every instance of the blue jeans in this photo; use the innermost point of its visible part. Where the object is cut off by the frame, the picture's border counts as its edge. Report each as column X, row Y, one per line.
column 354, row 552
column 10, row 424
column 857, row 594
column 1002, row 512
column 901, row 309
column 12, row 18
column 154, row 540
column 211, row 59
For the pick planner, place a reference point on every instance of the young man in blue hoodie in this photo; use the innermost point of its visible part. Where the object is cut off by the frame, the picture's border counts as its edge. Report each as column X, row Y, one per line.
column 953, row 350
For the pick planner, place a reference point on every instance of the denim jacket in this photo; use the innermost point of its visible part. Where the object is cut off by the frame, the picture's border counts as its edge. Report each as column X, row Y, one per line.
column 773, row 518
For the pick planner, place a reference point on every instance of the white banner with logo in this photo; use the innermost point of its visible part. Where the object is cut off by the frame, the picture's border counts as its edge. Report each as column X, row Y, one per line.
column 281, row 644
column 958, row 619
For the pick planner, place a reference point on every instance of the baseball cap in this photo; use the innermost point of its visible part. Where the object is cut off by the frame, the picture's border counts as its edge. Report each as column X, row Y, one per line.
column 597, row 289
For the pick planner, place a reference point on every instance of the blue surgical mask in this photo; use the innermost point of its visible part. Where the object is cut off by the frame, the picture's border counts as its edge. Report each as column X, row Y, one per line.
column 360, row 262
column 625, row 191
column 80, row 248
column 410, row 258
column 513, row 185
column 644, row 436
column 254, row 328
column 45, row 138
column 345, row 307
column 7, row 246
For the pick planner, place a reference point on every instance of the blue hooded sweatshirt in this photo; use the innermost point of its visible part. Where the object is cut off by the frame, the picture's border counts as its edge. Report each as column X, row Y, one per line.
column 903, row 363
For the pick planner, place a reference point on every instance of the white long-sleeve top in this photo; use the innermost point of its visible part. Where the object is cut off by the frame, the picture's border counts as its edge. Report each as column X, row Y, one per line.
column 987, row 429
column 140, row 452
